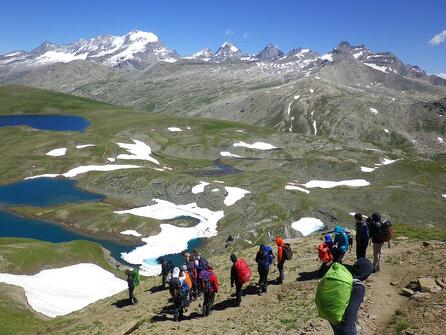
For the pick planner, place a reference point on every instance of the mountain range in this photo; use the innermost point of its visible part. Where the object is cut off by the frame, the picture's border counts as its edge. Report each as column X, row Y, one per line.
column 350, row 91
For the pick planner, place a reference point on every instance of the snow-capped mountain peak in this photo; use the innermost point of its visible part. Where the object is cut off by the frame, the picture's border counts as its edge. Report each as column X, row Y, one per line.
column 270, row 53
column 137, row 49
column 227, row 52
column 203, row 55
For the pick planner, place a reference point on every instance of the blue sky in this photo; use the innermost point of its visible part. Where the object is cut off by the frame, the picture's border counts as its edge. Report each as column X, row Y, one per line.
column 402, row 27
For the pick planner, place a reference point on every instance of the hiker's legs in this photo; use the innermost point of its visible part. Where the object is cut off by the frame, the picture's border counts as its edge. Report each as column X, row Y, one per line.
column 338, row 255
column 163, row 280
column 281, row 272
column 238, row 292
column 361, row 250
column 377, row 255
column 211, row 302
column 323, row 269
column 265, row 280
column 348, row 326
column 206, row 304
column 132, row 298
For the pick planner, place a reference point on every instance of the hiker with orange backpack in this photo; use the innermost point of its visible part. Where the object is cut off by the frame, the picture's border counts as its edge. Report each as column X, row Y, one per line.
column 284, row 253
column 325, row 256
column 240, row 274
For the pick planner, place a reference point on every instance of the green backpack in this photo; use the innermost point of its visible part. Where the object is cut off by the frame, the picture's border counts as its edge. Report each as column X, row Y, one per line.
column 135, row 275
column 333, row 293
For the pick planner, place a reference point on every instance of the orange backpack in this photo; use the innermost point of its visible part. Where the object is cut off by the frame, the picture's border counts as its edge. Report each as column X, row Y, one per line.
column 324, row 253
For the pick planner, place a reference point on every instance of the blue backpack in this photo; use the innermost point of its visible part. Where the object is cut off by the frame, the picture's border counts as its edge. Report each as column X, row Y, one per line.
column 268, row 257
column 184, row 288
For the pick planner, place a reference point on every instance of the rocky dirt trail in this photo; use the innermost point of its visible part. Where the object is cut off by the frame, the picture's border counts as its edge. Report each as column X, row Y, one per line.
column 287, row 309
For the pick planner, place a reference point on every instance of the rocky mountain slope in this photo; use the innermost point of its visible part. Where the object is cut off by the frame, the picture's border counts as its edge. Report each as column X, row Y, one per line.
column 349, row 92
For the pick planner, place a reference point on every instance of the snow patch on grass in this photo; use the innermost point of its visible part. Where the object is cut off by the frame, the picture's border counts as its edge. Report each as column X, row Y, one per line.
column 64, row 290
column 84, row 169
column 307, row 225
column 131, row 232
column 331, row 184
column 81, row 146
column 174, row 129
column 367, row 169
column 234, row 195
column 200, row 187
column 228, row 154
column 256, row 145
column 139, row 150
column 57, row 152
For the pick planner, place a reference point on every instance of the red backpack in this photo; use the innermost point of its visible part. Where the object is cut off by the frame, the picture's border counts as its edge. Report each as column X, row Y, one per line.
column 243, row 271
column 324, row 253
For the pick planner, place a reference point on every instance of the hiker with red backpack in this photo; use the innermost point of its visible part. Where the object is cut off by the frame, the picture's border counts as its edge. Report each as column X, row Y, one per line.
column 284, row 253
column 209, row 287
column 240, row 274
column 380, row 233
column 340, row 294
column 324, row 253
column 264, row 259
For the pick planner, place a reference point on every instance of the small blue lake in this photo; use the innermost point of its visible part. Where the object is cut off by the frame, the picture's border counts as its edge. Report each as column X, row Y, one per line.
column 41, row 192
column 46, row 122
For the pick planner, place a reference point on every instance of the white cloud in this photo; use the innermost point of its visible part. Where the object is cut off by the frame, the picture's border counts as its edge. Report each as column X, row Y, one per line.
column 441, row 75
column 438, row 39
column 229, row 32
column 245, row 35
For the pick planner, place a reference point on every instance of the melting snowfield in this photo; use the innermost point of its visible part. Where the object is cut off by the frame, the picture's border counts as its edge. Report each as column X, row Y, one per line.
column 367, row 169
column 81, row 146
column 294, row 187
column 228, row 154
column 256, row 145
column 84, row 169
column 306, row 226
column 234, row 195
column 131, row 233
column 200, row 187
column 64, row 290
column 57, row 152
column 331, row 184
column 174, row 129
column 171, row 239
column 138, row 150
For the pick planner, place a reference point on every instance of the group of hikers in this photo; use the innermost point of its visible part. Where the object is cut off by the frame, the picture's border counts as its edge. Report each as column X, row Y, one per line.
column 196, row 277
column 339, row 293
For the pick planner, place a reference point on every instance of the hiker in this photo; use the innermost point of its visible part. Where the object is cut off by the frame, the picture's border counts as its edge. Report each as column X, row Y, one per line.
column 240, row 274
column 264, row 259
column 166, row 268
column 201, row 264
column 190, row 264
column 280, row 259
column 362, row 236
column 209, row 286
column 340, row 293
column 340, row 244
column 177, row 293
column 324, row 253
column 132, row 282
column 380, row 232
column 284, row 253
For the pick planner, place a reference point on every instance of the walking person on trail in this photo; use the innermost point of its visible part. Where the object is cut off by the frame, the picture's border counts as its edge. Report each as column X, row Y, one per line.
column 284, row 253
column 362, row 236
column 264, row 259
column 166, row 268
column 340, row 294
column 178, row 294
column 341, row 244
column 209, row 286
column 324, row 253
column 380, row 232
column 132, row 282
column 240, row 274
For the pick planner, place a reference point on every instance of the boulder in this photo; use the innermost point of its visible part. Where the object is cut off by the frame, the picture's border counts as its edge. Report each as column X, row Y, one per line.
column 407, row 292
column 427, row 284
